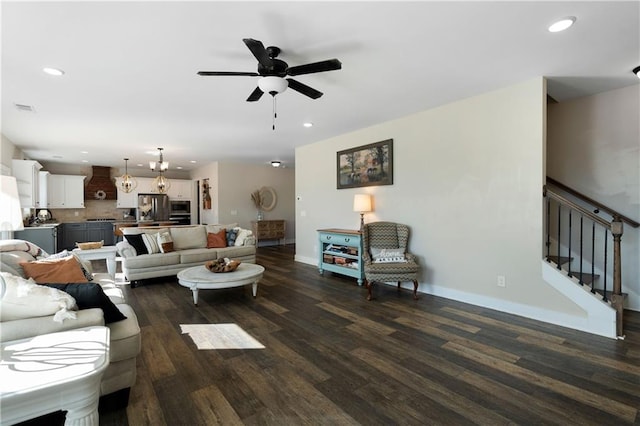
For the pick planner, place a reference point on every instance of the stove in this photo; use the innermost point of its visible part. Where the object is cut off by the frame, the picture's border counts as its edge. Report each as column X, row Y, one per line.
column 101, row 219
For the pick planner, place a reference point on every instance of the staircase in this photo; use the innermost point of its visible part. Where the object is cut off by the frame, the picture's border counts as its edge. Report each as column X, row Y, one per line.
column 583, row 239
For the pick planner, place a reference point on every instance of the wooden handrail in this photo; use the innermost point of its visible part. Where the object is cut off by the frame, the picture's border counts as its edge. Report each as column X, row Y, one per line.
column 593, row 202
column 548, row 192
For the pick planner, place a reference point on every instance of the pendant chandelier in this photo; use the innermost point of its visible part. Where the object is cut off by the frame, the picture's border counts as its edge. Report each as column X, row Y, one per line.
column 161, row 183
column 128, row 183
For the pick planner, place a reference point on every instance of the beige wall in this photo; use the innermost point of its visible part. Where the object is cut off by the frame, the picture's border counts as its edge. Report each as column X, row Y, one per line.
column 209, row 171
column 231, row 188
column 8, row 152
column 468, row 180
column 594, row 148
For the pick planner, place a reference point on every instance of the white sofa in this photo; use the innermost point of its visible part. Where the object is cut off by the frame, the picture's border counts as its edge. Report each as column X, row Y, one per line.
column 125, row 341
column 189, row 249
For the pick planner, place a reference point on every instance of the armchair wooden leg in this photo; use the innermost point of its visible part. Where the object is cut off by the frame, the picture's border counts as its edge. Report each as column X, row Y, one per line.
column 415, row 289
column 367, row 284
column 398, row 286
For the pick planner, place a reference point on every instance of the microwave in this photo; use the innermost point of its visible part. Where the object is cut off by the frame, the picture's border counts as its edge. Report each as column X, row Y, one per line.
column 179, row 207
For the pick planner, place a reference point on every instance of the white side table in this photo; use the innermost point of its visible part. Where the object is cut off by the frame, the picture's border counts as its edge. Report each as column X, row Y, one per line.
column 106, row 252
column 51, row 372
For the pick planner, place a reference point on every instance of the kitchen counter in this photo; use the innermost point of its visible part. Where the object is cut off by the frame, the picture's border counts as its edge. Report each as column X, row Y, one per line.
column 133, row 224
column 43, row 225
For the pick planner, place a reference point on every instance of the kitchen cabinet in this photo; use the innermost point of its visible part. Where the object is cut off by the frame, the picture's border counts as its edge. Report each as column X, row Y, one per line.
column 82, row 232
column 341, row 252
column 145, row 186
column 45, row 237
column 27, row 176
column 127, row 200
column 65, row 192
column 43, row 185
column 180, row 189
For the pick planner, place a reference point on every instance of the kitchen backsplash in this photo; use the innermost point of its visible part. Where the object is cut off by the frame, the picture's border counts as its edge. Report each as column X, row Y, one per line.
column 93, row 209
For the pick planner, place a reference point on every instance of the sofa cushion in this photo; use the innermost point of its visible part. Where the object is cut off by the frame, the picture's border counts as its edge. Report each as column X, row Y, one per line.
column 218, row 227
column 217, row 239
column 153, row 260
column 235, row 251
column 11, row 261
column 197, row 255
column 124, row 336
column 91, row 295
column 24, row 298
column 189, row 237
column 85, row 265
column 137, row 243
column 63, row 270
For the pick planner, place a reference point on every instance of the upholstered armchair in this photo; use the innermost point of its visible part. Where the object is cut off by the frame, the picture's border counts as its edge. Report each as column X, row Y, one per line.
column 385, row 255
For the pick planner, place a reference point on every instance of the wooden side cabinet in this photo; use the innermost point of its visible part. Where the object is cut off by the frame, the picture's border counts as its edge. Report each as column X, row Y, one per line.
column 341, row 252
column 269, row 230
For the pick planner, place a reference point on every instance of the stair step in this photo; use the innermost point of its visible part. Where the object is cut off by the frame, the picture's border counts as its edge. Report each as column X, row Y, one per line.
column 609, row 293
column 586, row 278
column 562, row 259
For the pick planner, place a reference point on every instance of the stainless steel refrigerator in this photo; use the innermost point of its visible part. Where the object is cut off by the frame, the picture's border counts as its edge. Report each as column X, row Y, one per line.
column 153, row 207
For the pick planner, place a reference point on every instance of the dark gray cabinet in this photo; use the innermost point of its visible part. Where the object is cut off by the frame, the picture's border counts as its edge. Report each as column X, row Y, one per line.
column 81, row 232
column 45, row 237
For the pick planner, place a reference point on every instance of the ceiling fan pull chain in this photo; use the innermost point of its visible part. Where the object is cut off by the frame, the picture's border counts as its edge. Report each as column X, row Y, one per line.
column 275, row 113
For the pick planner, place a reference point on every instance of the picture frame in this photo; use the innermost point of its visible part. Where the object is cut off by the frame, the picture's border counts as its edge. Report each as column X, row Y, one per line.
column 366, row 165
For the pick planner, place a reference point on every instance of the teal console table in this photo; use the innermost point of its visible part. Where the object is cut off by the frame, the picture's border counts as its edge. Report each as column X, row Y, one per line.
column 341, row 252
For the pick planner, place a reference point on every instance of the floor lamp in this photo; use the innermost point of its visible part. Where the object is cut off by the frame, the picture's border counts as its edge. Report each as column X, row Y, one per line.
column 10, row 211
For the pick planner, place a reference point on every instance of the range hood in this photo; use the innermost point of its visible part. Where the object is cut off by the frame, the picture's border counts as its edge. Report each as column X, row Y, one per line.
column 100, row 186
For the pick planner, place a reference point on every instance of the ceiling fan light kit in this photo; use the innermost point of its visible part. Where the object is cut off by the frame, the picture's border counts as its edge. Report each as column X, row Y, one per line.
column 273, row 85
column 636, row 71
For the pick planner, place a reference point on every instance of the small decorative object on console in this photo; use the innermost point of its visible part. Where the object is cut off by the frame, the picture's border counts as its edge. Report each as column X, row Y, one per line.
column 222, row 265
column 90, row 245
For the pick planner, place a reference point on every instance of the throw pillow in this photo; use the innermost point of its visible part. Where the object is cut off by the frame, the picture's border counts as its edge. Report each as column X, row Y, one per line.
column 165, row 243
column 242, row 236
column 62, row 270
column 151, row 243
column 217, row 239
column 387, row 255
column 91, row 296
column 85, row 265
column 188, row 237
column 25, row 299
column 137, row 243
column 232, row 234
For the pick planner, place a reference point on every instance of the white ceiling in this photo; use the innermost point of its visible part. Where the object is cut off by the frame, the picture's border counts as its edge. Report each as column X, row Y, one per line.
column 131, row 85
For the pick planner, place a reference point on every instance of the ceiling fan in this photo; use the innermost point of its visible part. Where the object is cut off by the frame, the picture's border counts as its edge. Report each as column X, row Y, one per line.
column 273, row 72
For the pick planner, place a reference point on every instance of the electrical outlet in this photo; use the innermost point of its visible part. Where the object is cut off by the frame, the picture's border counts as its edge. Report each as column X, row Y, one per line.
column 303, row 213
column 234, row 212
column 76, row 214
column 502, row 281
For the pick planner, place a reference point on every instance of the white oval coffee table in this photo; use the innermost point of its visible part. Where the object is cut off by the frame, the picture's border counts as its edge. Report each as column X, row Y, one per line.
column 200, row 278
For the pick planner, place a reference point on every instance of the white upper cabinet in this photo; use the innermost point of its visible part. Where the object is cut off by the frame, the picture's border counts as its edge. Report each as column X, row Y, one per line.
column 65, row 192
column 180, row 189
column 27, row 176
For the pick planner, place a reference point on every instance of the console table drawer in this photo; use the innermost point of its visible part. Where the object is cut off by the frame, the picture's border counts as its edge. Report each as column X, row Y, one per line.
column 339, row 239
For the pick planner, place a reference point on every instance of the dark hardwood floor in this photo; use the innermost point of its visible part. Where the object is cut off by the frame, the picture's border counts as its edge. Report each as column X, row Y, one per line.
column 331, row 357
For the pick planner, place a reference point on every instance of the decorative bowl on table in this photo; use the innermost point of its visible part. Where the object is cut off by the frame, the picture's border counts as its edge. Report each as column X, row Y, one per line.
column 222, row 265
column 90, row 245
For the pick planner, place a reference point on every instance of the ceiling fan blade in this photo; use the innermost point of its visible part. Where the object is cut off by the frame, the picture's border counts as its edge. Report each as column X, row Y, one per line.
column 328, row 65
column 207, row 73
column 255, row 95
column 304, row 89
column 257, row 48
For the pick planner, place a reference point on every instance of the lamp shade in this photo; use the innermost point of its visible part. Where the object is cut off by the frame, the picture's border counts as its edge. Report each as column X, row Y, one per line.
column 362, row 203
column 10, row 211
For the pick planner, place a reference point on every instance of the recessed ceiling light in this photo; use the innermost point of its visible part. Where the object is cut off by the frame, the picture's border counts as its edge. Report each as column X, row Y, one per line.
column 276, row 163
column 562, row 24
column 85, row 161
column 636, row 71
column 139, row 164
column 308, row 124
column 56, row 156
column 53, row 71
column 179, row 167
column 84, row 152
column 193, row 161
